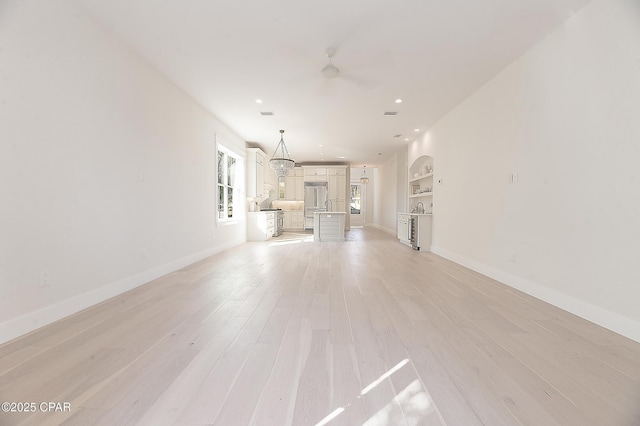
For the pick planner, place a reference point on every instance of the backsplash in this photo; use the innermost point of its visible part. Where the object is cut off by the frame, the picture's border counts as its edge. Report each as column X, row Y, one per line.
column 287, row 205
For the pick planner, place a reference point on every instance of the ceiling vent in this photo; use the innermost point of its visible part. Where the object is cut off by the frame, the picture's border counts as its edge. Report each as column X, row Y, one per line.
column 391, row 113
column 266, row 113
column 397, row 136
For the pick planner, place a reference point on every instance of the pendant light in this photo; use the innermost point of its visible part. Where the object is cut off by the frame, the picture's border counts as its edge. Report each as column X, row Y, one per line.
column 280, row 163
column 364, row 178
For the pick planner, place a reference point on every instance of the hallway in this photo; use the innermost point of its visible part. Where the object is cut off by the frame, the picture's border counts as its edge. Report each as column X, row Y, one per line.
column 295, row 332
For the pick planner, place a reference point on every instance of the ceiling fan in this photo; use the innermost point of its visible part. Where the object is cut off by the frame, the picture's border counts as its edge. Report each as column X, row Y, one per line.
column 330, row 70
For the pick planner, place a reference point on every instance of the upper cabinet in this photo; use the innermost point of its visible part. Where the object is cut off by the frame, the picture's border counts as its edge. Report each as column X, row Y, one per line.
column 421, row 185
column 315, row 174
column 256, row 164
column 294, row 185
column 337, row 188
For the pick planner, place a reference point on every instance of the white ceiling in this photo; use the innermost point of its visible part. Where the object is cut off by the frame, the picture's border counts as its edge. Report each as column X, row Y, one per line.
column 430, row 53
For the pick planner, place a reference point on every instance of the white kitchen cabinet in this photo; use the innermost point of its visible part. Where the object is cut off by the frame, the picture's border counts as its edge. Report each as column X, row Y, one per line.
column 337, row 189
column 297, row 220
column 293, row 220
column 294, row 185
column 256, row 163
column 337, row 171
column 404, row 228
column 260, row 225
column 287, row 220
column 315, row 174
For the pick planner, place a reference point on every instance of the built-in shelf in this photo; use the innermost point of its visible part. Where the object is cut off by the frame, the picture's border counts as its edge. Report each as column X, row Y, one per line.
column 424, row 194
column 420, row 177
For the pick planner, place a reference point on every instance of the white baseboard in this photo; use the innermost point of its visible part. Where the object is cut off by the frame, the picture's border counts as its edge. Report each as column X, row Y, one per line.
column 34, row 320
column 607, row 319
column 387, row 230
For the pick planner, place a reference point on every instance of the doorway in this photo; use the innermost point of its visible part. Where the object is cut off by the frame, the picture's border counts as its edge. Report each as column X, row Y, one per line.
column 356, row 205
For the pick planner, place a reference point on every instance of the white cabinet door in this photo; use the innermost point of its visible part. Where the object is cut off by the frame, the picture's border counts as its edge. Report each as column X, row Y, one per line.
column 297, row 220
column 337, row 191
column 256, row 160
column 315, row 174
column 294, row 188
column 337, row 187
column 288, row 219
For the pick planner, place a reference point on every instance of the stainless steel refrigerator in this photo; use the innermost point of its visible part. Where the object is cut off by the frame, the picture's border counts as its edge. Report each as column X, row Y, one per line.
column 315, row 200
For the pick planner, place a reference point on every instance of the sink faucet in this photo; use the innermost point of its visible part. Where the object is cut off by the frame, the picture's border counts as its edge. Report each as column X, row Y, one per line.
column 420, row 207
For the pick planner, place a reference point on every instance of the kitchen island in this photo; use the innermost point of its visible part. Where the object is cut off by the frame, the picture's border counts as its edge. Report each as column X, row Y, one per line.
column 328, row 226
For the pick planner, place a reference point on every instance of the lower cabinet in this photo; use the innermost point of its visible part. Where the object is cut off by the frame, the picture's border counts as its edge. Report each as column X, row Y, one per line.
column 294, row 220
column 260, row 225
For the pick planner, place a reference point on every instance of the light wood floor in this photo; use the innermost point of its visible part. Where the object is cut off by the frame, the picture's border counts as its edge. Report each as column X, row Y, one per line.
column 295, row 332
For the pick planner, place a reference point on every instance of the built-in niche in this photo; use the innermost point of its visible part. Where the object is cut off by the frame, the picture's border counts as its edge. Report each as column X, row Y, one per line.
column 421, row 185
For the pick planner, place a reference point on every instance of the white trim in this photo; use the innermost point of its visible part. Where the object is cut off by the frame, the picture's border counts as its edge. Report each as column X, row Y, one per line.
column 20, row 326
column 239, row 184
column 387, row 230
column 607, row 319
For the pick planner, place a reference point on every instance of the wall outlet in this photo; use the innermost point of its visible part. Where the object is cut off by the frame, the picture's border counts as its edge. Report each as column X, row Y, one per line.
column 44, row 279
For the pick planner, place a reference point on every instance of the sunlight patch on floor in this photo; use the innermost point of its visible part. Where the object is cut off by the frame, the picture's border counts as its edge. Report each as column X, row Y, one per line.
column 292, row 240
column 413, row 401
column 416, row 405
column 379, row 380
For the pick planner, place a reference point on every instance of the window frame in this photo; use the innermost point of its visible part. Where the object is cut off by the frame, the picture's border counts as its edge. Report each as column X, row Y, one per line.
column 227, row 185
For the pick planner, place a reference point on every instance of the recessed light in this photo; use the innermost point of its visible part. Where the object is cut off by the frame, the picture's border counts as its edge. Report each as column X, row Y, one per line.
column 416, row 130
column 379, row 153
column 341, row 157
column 398, row 101
column 319, row 146
column 406, row 139
column 258, row 101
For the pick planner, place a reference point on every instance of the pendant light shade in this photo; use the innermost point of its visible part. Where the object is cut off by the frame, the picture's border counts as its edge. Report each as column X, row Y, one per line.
column 281, row 161
column 364, row 178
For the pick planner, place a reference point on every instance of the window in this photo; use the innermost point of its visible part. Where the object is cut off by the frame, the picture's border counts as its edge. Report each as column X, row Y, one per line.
column 228, row 171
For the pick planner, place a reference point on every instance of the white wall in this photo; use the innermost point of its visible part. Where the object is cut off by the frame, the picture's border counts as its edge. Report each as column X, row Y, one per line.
column 564, row 116
column 107, row 171
column 390, row 191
